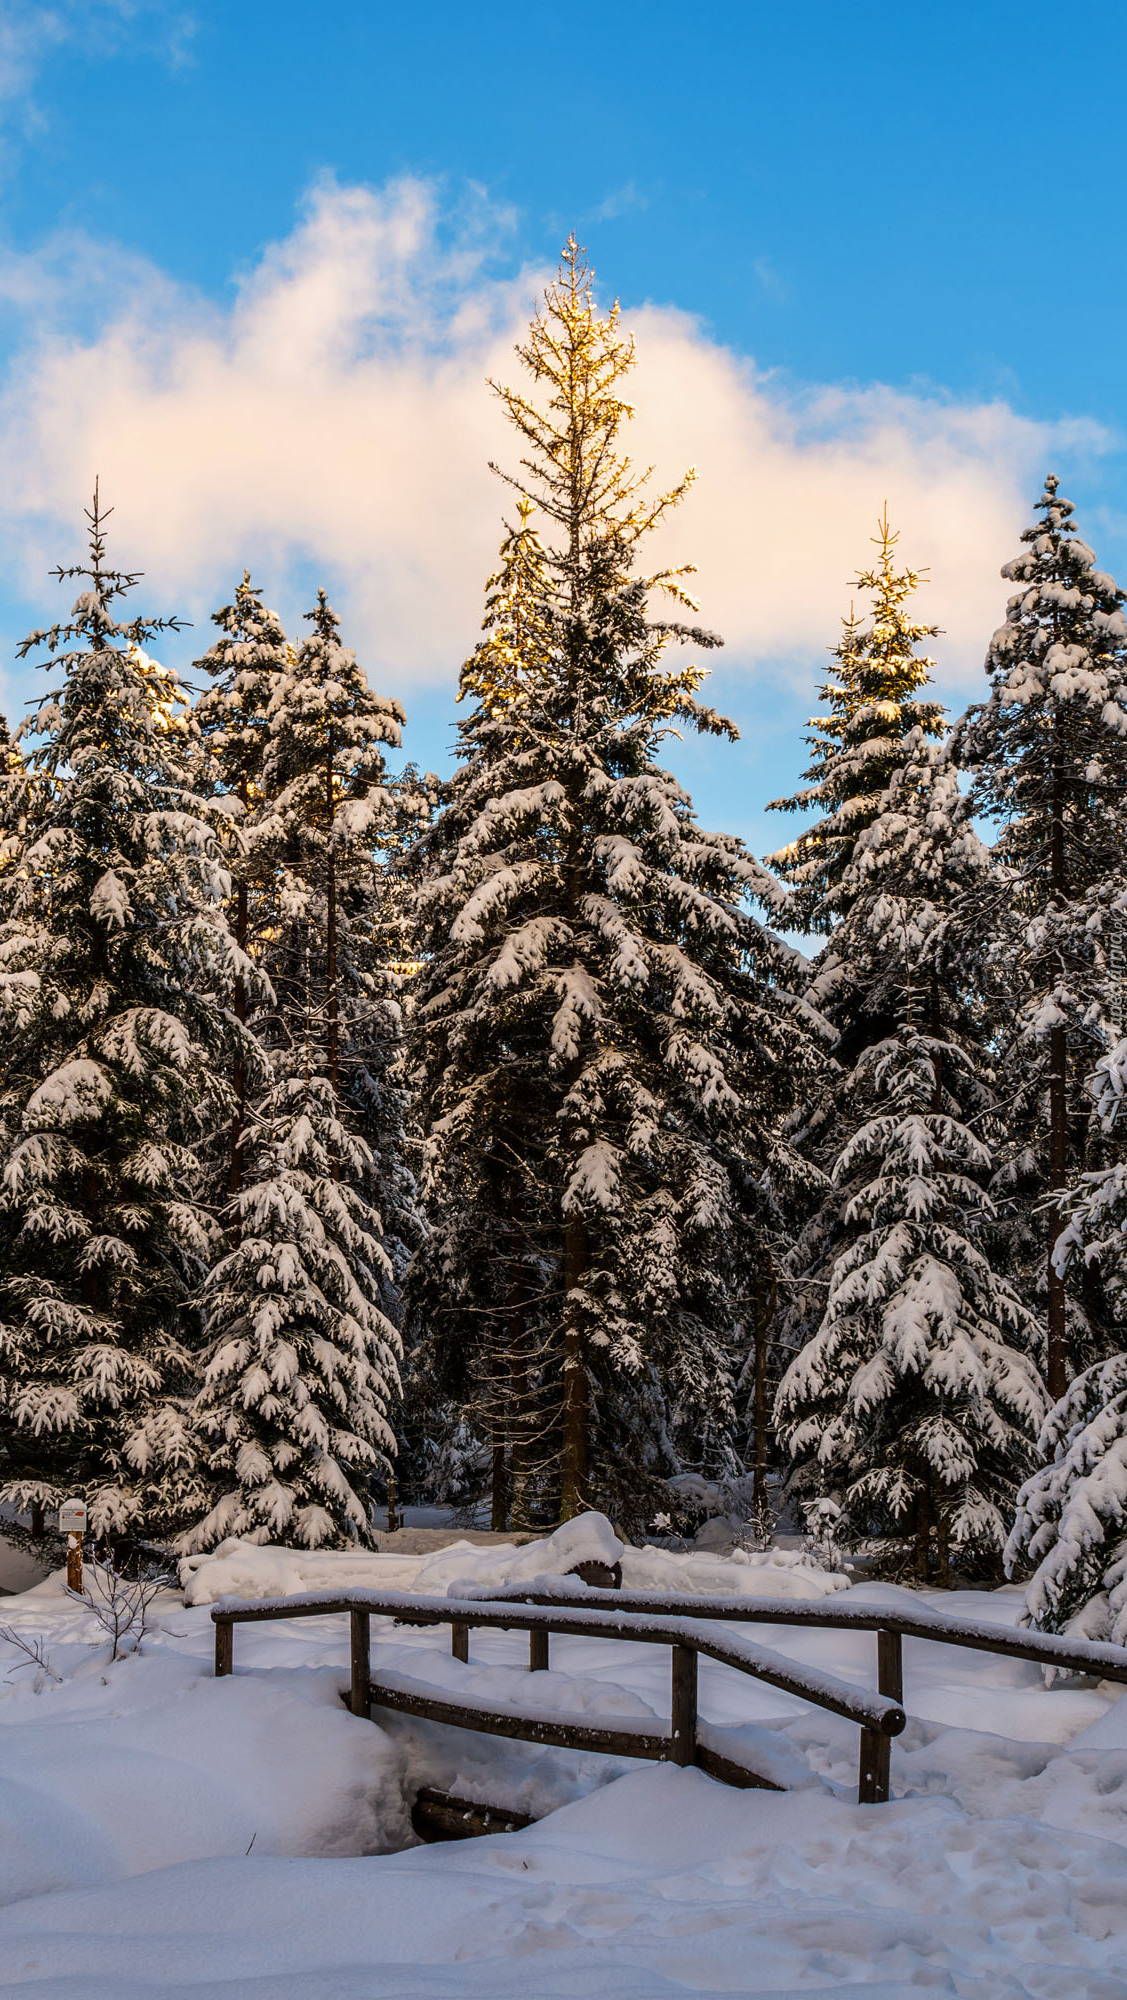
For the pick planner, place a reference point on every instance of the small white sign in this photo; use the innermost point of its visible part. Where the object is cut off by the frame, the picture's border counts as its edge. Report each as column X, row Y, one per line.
column 72, row 1517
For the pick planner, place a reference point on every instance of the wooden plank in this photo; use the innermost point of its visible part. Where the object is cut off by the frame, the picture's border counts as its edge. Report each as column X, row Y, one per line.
column 731, row 1773
column 360, row 1646
column 563, row 1735
column 438, row 1815
column 684, row 1705
column 1093, row 1657
column 224, row 1648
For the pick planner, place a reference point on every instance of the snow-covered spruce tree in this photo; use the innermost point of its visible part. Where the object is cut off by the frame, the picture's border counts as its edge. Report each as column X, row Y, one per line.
column 1072, row 1515
column 1048, row 756
column 917, row 1400
column 878, row 872
column 1071, row 1524
column 303, row 1358
column 873, row 703
column 604, row 1033
column 246, row 663
column 302, row 1361
column 115, row 958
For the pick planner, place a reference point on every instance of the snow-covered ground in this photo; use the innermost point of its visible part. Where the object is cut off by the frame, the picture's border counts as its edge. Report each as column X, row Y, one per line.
column 163, row 1833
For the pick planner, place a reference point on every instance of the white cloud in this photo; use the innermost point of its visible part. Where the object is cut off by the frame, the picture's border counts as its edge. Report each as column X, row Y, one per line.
column 334, row 414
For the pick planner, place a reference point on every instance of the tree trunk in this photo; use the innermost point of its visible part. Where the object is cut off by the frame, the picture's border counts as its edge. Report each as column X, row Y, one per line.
column 238, row 1073
column 576, row 1409
column 520, row 1427
column 331, row 940
column 936, row 1025
column 759, row 1395
column 923, row 1533
column 1056, row 1372
column 943, row 1549
column 499, row 1504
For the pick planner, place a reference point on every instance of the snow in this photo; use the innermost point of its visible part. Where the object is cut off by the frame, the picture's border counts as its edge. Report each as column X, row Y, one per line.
column 131, row 1793
column 778, row 1573
column 249, row 1570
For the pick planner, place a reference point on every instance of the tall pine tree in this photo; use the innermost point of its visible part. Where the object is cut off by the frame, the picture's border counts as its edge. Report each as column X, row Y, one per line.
column 116, row 964
column 605, row 1036
column 917, row 1399
column 1048, row 756
column 302, row 1367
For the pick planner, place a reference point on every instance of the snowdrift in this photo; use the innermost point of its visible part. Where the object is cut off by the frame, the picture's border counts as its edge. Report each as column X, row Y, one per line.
column 255, row 1571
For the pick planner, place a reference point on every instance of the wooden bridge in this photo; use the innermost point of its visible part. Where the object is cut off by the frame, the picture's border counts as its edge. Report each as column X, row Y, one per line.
column 687, row 1625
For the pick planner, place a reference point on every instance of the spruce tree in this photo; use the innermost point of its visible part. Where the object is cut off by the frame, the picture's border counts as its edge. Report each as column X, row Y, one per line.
column 246, row 663
column 302, row 1361
column 1071, row 1521
column 917, row 1400
column 116, row 964
column 302, row 1366
column 1048, row 759
column 605, row 1035
column 873, row 705
column 1071, row 1524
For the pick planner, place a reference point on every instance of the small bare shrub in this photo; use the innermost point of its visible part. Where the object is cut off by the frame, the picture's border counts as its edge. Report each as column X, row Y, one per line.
column 120, row 1604
column 35, row 1654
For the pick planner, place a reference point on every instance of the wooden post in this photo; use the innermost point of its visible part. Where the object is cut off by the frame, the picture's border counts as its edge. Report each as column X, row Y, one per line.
column 72, row 1524
column 872, row 1772
column 224, row 1647
column 875, row 1769
column 684, row 1705
column 538, row 1652
column 360, row 1623
column 890, row 1665
column 460, row 1640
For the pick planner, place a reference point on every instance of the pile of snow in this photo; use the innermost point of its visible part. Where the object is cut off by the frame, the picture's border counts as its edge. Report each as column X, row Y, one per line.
column 148, row 1762
column 775, row 1573
column 253, row 1570
column 661, row 1885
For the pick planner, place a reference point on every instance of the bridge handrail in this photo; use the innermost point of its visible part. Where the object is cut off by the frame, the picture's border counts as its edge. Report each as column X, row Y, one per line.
column 879, row 1716
column 1086, row 1656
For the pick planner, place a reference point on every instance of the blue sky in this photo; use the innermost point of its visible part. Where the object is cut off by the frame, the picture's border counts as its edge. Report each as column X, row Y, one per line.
column 256, row 260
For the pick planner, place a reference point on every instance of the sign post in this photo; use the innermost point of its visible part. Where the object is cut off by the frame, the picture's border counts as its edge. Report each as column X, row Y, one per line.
column 72, row 1524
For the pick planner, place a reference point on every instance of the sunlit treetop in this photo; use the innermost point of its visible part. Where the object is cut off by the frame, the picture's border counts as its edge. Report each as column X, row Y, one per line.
column 576, row 474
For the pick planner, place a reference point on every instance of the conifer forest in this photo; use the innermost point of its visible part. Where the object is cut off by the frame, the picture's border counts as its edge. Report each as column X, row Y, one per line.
column 515, row 1138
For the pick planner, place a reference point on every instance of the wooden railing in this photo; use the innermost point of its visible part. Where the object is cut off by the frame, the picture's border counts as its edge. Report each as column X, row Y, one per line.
column 892, row 1627
column 682, row 1623
column 878, row 1716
